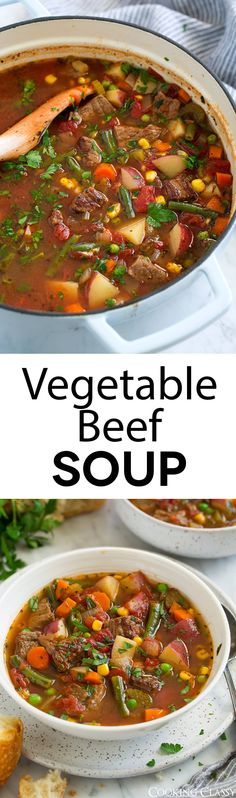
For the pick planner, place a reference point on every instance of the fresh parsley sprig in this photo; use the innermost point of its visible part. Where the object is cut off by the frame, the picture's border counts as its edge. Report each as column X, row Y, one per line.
column 23, row 523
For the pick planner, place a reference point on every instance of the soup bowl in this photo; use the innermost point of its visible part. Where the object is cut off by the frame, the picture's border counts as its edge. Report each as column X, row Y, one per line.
column 146, row 324
column 175, row 539
column 113, row 560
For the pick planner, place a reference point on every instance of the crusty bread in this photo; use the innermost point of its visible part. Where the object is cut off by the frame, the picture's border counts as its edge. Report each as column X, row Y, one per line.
column 52, row 786
column 11, row 735
column 70, row 507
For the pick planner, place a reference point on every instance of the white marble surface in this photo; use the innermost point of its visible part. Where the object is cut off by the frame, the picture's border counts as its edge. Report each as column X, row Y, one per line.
column 105, row 528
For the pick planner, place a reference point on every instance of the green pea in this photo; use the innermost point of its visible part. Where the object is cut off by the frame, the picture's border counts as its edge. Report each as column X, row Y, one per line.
column 35, row 699
column 201, row 679
column 203, row 234
column 114, row 248
column 203, row 505
column 165, row 667
column 51, row 691
column 145, row 118
column 131, row 703
column 106, row 84
column 211, row 138
column 162, row 587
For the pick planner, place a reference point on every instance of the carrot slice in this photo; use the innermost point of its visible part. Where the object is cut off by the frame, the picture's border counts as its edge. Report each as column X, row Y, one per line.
column 216, row 205
column 105, row 170
column 110, row 263
column 38, row 658
column 61, row 587
column 161, row 146
column 223, row 179
column 64, row 608
column 215, row 151
column 179, row 613
column 102, row 599
column 220, row 225
column 76, row 307
column 153, row 714
column 93, row 677
column 184, row 96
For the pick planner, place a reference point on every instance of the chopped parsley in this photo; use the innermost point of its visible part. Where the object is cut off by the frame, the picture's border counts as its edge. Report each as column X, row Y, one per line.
column 29, row 87
column 171, row 748
column 33, row 603
column 151, row 763
column 157, row 214
column 33, row 159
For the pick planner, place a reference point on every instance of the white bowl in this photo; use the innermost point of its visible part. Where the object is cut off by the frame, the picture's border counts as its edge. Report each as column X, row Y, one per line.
column 180, row 540
column 113, row 559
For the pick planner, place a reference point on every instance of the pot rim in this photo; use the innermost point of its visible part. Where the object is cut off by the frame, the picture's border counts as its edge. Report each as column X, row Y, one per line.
column 155, row 559
column 204, row 258
column 160, row 522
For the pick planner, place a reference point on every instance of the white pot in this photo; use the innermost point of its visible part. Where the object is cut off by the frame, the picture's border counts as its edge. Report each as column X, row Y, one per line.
column 113, row 559
column 147, row 324
column 178, row 540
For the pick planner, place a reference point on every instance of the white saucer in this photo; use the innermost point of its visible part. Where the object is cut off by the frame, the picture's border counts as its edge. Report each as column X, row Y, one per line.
column 115, row 760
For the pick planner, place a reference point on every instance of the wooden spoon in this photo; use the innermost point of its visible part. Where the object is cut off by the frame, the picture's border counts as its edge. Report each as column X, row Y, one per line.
column 26, row 134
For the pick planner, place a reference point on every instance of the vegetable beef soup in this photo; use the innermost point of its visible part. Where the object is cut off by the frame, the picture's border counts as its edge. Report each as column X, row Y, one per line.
column 109, row 649
column 124, row 191
column 209, row 513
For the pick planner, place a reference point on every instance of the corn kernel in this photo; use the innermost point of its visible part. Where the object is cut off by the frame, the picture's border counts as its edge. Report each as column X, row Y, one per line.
column 139, row 154
column 82, row 80
column 114, row 210
column 201, row 679
column 160, row 199
column 200, row 518
column 138, row 96
column 191, row 611
column 103, row 669
column 122, row 611
column 97, row 626
column 204, row 670
column 198, row 185
column 185, row 676
column 173, row 268
column 144, row 143
column 150, row 176
column 138, row 640
column 202, row 653
column 68, row 182
column 50, row 79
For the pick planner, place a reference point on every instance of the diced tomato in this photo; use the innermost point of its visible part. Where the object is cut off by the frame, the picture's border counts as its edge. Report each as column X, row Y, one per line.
column 151, row 647
column 127, row 252
column 137, row 109
column 112, row 123
column 192, row 220
column 70, row 705
column 117, row 237
column 138, row 605
column 18, row 679
column 150, row 663
column 61, row 231
column 217, row 165
column 119, row 672
column 68, row 125
column 145, row 196
column 173, row 90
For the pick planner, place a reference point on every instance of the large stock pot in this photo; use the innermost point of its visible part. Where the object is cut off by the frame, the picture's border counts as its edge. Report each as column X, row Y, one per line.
column 199, row 296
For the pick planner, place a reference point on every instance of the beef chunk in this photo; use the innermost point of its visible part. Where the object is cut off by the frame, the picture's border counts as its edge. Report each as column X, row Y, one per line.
column 65, row 654
column 125, row 133
column 89, row 200
column 91, row 155
column 25, row 641
column 168, row 107
column 127, row 626
column 146, row 682
column 42, row 615
column 143, row 270
column 98, row 106
column 93, row 700
column 179, row 188
column 55, row 217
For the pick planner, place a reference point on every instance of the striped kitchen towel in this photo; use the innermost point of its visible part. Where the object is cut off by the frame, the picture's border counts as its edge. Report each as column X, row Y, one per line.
column 206, row 27
column 212, row 781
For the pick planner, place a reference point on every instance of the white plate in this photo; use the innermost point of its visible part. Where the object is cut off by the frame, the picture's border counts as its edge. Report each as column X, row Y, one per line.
column 115, row 760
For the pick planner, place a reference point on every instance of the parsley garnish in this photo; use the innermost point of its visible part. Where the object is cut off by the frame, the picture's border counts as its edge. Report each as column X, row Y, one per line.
column 151, row 763
column 33, row 603
column 171, row 748
column 33, row 159
column 157, row 214
column 23, row 523
column 29, row 87
column 50, row 171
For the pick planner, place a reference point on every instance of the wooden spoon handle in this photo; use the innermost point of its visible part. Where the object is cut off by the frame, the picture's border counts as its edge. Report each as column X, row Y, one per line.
column 25, row 135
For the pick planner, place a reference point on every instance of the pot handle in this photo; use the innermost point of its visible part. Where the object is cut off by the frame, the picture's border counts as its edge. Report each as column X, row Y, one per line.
column 112, row 340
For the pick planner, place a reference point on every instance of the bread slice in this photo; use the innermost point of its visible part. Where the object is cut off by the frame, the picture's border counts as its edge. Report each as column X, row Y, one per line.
column 52, row 786
column 11, row 735
column 70, row 507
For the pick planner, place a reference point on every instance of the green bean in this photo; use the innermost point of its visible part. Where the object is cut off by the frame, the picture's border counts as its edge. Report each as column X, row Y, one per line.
column 62, row 253
column 190, row 131
column 74, row 619
column 74, row 165
column 85, row 247
column 51, row 596
column 109, row 141
column 119, row 693
column 187, row 206
column 126, row 201
column 154, row 619
column 38, row 678
column 15, row 661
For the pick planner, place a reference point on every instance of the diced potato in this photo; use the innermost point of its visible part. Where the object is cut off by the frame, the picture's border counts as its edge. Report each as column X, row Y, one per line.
column 61, row 293
column 99, row 290
column 80, row 67
column 109, row 585
column 177, row 128
column 147, row 88
column 134, row 231
column 123, row 651
column 176, row 654
column 116, row 72
column 116, row 97
column 170, row 165
column 134, row 582
column 211, row 190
